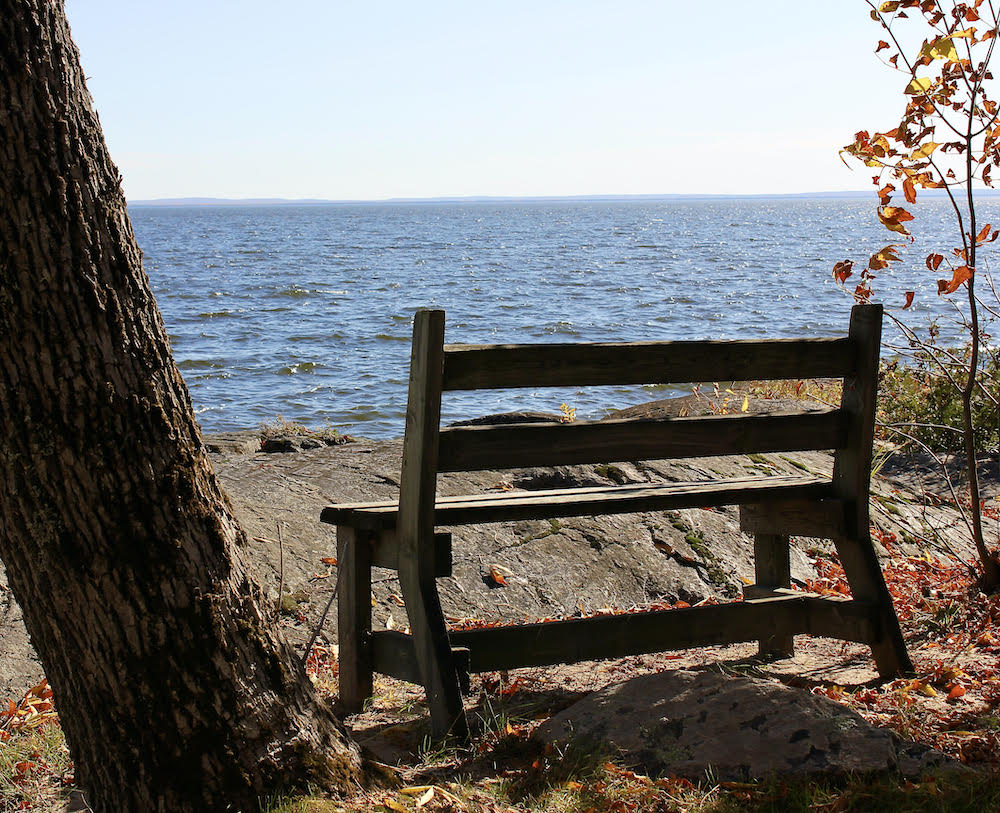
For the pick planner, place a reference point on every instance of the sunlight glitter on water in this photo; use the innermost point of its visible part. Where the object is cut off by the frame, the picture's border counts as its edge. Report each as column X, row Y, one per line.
column 304, row 311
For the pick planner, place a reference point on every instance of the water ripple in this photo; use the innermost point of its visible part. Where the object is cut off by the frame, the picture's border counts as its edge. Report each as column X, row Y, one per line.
column 305, row 310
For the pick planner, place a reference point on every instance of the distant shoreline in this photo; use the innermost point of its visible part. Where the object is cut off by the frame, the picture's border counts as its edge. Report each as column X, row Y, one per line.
column 203, row 201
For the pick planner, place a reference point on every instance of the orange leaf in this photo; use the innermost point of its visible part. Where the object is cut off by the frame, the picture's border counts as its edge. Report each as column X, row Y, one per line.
column 983, row 234
column 909, row 299
column 956, row 692
column 842, row 270
column 881, row 258
column 882, row 44
column 958, row 276
column 934, row 261
column 909, row 191
column 495, row 578
column 329, row 560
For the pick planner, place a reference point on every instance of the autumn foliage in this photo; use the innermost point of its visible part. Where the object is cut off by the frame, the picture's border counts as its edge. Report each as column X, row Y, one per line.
column 947, row 137
column 947, row 140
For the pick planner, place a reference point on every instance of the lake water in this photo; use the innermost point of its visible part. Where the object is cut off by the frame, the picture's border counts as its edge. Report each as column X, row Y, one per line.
column 306, row 311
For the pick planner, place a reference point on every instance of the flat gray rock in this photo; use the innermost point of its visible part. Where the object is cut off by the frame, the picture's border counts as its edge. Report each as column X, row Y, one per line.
column 732, row 728
column 19, row 666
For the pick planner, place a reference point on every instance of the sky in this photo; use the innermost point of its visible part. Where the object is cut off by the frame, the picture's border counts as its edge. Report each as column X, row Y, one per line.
column 370, row 101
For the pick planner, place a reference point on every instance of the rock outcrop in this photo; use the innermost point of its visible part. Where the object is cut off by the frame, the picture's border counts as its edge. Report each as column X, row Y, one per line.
column 727, row 727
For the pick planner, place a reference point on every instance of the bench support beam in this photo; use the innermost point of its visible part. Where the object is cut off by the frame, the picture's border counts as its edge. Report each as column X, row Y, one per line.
column 773, row 570
column 354, row 615
column 851, row 481
column 490, row 649
column 415, row 530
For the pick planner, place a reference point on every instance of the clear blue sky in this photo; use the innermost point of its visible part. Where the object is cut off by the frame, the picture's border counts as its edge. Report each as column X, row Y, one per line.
column 330, row 99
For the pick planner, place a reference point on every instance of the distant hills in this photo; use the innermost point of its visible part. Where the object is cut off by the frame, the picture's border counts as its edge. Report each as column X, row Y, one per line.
column 990, row 193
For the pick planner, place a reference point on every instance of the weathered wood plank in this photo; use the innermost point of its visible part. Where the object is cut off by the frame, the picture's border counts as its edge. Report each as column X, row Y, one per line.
column 550, row 504
column 840, row 617
column 772, row 567
column 818, row 518
column 845, row 619
column 613, row 636
column 578, row 639
column 415, row 529
column 385, row 552
column 851, row 481
column 392, row 655
column 354, row 616
column 467, row 448
column 603, row 363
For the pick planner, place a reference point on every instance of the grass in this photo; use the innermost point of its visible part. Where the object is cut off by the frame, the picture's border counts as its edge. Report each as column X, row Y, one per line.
column 35, row 769
column 608, row 788
column 281, row 427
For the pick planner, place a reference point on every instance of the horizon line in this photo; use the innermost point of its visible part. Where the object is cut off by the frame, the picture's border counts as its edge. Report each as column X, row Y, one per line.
column 208, row 200
column 280, row 201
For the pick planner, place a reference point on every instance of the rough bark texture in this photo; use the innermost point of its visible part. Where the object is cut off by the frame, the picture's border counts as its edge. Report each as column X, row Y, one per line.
column 174, row 691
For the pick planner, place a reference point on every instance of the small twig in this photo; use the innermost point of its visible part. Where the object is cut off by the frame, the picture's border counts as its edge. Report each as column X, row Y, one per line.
column 944, row 472
column 281, row 572
column 322, row 619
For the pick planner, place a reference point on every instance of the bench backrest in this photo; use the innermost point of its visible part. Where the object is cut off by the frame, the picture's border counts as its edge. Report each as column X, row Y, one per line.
column 436, row 367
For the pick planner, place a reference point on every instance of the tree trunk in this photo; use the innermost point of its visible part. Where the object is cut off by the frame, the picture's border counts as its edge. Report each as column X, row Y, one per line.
column 174, row 690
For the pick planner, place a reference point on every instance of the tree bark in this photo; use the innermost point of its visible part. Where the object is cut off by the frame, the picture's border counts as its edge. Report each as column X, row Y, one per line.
column 174, row 690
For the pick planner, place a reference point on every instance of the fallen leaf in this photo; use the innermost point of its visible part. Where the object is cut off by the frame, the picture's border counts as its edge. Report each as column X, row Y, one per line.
column 495, row 578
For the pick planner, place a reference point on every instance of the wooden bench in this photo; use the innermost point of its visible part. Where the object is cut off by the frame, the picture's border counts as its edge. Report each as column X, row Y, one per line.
column 403, row 534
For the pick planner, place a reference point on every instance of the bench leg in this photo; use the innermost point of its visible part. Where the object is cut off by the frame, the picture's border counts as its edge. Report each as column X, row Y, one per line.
column 435, row 658
column 354, row 616
column 864, row 575
column 772, row 569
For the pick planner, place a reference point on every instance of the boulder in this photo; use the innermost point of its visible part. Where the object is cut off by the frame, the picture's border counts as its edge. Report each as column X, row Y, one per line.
column 699, row 724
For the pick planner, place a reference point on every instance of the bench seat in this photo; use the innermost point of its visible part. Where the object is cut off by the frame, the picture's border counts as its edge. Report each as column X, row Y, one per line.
column 506, row 506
